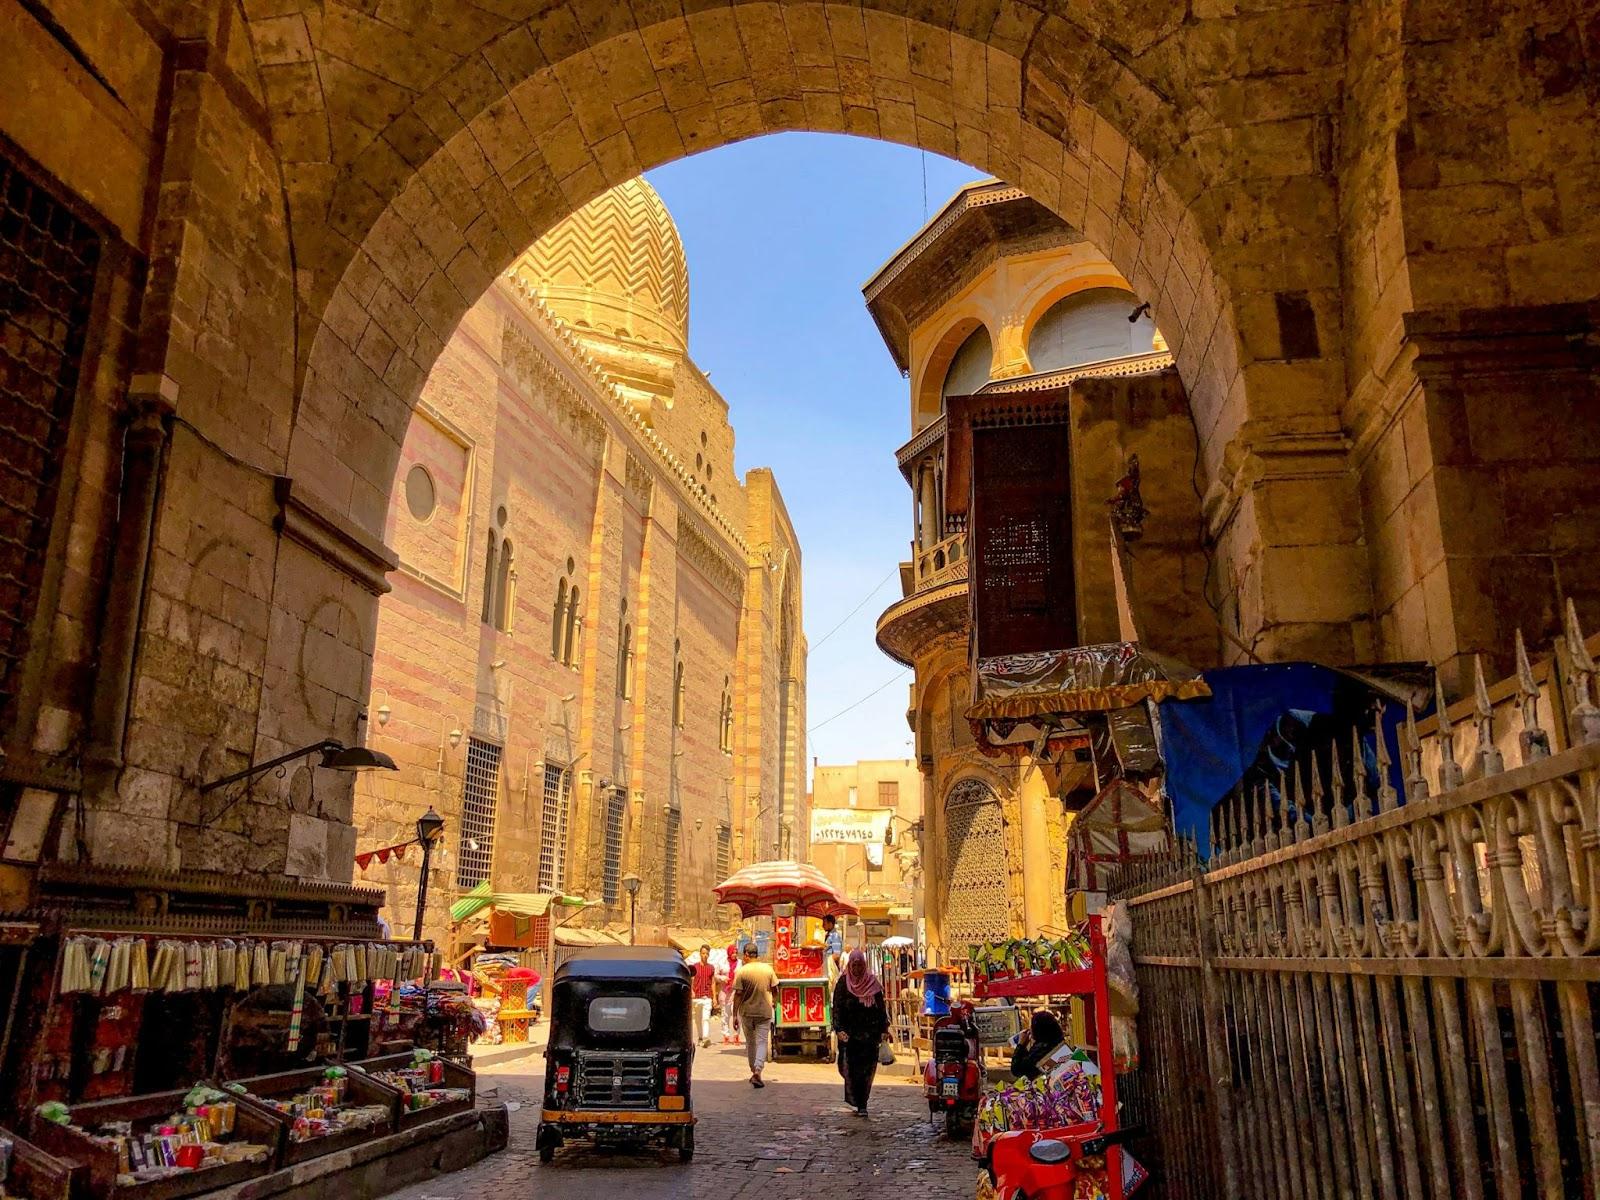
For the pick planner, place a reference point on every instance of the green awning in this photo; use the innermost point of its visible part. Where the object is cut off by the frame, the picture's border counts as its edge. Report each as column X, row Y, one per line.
column 522, row 904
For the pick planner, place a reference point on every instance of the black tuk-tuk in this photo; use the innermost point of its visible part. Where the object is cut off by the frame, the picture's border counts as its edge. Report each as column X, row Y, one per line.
column 617, row 1066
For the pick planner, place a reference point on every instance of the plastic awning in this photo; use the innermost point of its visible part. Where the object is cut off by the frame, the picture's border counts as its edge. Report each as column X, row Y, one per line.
column 1260, row 718
column 521, row 904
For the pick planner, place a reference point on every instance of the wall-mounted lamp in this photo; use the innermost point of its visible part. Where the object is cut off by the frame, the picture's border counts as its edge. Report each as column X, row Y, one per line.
column 1142, row 311
column 336, row 756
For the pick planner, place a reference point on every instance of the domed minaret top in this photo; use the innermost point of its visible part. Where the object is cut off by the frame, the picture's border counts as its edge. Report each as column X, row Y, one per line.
column 614, row 273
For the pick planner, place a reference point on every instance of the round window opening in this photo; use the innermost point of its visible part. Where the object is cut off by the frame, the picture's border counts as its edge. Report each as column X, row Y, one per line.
column 420, row 495
column 501, row 516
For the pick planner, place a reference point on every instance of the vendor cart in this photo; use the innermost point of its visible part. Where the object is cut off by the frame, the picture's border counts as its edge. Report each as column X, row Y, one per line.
column 1083, row 1159
column 786, row 891
column 803, row 1018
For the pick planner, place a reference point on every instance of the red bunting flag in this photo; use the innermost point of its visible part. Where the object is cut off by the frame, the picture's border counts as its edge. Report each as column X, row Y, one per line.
column 364, row 859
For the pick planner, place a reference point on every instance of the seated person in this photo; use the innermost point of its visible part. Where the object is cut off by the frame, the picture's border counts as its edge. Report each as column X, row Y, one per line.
column 1041, row 1038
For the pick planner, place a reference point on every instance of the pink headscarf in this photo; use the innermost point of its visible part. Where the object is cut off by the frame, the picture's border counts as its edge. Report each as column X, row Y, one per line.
column 863, row 984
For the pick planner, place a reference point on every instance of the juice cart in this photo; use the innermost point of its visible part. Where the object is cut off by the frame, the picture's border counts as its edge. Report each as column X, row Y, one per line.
column 1084, row 1158
column 786, row 891
column 804, row 1016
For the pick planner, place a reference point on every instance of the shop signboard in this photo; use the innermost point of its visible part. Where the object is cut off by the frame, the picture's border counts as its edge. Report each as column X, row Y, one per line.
column 850, row 826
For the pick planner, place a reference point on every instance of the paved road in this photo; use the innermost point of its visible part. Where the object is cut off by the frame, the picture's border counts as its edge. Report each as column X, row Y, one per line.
column 792, row 1140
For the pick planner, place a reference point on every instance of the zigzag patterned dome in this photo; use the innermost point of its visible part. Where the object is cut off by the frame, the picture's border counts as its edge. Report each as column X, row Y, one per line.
column 615, row 270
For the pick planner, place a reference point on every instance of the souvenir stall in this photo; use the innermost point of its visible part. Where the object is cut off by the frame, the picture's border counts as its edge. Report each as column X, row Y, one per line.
column 179, row 1032
column 1060, row 1132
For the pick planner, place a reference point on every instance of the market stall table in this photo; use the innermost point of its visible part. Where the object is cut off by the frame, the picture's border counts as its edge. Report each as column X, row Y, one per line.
column 162, row 1146
column 429, row 1089
column 319, row 1113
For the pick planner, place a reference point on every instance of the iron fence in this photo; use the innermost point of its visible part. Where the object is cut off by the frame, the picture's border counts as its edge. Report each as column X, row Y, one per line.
column 1370, row 991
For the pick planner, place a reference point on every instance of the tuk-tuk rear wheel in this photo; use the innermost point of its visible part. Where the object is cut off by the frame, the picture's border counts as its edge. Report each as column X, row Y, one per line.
column 547, row 1154
column 686, row 1144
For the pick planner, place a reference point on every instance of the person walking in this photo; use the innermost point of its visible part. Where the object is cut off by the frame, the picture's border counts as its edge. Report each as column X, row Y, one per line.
column 755, row 988
column 730, row 1017
column 703, row 988
column 860, row 1022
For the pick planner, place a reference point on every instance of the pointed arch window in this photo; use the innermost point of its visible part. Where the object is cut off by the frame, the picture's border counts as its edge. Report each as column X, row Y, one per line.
column 725, row 719
column 677, row 684
column 558, row 619
column 505, row 582
column 489, row 576
column 624, row 655
column 569, row 649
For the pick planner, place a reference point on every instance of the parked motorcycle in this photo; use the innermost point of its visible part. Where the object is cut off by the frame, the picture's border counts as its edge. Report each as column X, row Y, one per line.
column 953, row 1078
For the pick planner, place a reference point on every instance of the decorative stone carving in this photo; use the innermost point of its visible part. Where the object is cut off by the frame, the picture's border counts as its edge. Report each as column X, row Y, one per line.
column 545, row 383
column 721, row 568
column 638, row 478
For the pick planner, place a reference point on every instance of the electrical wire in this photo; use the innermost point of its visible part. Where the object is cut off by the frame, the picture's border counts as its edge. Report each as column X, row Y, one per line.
column 893, row 571
column 858, row 703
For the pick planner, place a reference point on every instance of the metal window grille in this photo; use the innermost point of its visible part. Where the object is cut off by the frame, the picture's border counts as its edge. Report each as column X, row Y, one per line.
column 553, row 828
column 724, row 852
column 611, row 878
column 669, row 865
column 48, row 260
column 480, row 796
column 976, row 905
column 888, row 793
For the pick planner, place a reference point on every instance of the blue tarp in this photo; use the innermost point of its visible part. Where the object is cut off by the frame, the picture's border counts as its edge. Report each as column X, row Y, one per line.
column 1209, row 744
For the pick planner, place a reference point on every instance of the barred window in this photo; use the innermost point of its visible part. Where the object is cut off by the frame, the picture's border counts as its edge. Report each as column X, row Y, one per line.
column 669, row 864
column 553, row 828
column 480, row 793
column 48, row 261
column 724, row 852
column 611, row 876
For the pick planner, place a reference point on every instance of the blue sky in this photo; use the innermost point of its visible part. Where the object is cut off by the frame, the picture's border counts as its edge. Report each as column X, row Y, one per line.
column 780, row 234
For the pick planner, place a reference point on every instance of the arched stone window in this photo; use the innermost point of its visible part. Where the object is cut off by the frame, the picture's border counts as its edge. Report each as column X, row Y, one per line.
column 558, row 619
column 977, row 906
column 489, row 577
column 677, row 684
column 624, row 655
column 969, row 369
column 569, row 648
column 1089, row 326
column 505, row 580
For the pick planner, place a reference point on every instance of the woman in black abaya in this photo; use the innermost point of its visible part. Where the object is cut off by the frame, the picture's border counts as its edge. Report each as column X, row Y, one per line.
column 861, row 1021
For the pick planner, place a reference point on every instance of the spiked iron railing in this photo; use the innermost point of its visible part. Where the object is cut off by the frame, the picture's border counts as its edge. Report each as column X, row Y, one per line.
column 1392, row 989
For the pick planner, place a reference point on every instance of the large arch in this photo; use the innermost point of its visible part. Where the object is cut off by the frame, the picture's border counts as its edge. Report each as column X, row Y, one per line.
column 1367, row 271
column 484, row 133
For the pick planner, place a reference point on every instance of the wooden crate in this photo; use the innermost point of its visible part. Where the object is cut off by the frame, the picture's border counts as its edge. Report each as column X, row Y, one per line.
column 37, row 1175
column 70, row 1143
column 455, row 1075
column 288, row 1083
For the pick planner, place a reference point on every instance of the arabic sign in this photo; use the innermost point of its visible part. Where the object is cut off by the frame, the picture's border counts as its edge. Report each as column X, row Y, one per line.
column 850, row 826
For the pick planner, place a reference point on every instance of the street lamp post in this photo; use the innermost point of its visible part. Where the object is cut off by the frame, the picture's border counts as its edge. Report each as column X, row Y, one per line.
column 430, row 827
column 630, row 883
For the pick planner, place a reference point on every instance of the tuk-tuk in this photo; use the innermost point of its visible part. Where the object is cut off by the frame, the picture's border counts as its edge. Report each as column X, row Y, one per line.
column 617, row 1066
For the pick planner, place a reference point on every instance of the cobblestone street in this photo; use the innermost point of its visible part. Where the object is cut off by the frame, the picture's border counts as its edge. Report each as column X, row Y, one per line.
column 792, row 1139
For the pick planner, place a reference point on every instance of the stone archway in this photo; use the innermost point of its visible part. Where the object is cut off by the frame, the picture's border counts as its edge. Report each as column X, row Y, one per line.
column 326, row 192
column 461, row 159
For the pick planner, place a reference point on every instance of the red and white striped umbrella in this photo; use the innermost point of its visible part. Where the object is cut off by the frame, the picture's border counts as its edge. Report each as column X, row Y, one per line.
column 756, row 888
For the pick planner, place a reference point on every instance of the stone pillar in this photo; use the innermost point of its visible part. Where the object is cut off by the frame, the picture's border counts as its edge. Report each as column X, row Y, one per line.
column 930, row 506
column 1038, row 886
column 1482, row 503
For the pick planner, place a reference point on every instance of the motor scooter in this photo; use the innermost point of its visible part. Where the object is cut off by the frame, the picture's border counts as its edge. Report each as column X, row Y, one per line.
column 953, row 1079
